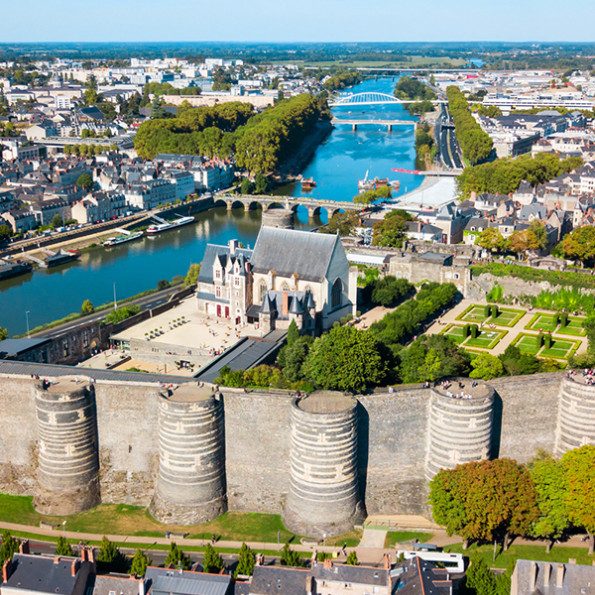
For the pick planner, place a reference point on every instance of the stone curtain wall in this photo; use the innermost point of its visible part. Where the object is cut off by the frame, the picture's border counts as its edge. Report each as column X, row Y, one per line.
column 393, row 439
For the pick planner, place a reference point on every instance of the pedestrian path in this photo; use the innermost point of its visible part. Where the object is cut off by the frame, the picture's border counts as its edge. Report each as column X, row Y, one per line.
column 373, row 538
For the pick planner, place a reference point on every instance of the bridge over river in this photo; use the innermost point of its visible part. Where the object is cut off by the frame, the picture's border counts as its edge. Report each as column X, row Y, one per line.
column 354, row 123
column 266, row 202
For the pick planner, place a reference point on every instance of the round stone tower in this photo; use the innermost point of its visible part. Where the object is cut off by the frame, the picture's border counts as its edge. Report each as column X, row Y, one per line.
column 460, row 426
column 68, row 462
column 576, row 414
column 324, row 495
column 191, row 482
column 281, row 218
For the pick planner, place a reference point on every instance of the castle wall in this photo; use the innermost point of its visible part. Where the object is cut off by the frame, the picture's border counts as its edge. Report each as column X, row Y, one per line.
column 393, row 440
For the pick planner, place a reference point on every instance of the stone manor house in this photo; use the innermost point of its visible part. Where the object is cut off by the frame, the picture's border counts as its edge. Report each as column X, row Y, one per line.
column 290, row 275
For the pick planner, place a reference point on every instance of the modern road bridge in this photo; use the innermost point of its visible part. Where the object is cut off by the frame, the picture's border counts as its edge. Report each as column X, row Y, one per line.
column 354, row 123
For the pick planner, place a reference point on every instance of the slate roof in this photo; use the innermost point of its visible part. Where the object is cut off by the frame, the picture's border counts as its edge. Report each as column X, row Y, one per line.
column 213, row 251
column 102, row 585
column 287, row 251
column 47, row 574
column 576, row 578
column 165, row 581
column 15, row 347
column 276, row 579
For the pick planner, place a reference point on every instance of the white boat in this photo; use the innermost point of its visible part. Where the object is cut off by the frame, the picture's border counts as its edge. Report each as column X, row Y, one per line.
column 126, row 236
column 167, row 225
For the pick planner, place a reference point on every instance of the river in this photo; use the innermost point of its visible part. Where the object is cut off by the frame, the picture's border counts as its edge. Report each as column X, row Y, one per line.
column 336, row 166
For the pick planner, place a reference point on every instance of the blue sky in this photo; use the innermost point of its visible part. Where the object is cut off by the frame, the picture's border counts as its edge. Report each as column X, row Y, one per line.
column 299, row 20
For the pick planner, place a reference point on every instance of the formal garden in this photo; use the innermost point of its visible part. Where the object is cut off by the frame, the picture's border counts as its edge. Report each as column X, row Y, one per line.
column 482, row 328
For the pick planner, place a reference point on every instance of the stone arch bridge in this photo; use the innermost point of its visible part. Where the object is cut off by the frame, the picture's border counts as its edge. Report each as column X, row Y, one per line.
column 266, row 202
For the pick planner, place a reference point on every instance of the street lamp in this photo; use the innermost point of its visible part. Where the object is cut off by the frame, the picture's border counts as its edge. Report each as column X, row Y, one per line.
column 27, row 317
column 115, row 302
column 323, row 541
column 64, row 529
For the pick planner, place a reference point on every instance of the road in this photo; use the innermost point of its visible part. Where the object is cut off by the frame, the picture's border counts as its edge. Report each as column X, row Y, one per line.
column 146, row 303
column 448, row 145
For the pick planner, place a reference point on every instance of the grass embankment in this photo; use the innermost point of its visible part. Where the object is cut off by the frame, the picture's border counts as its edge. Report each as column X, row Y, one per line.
column 122, row 519
column 402, row 537
column 526, row 552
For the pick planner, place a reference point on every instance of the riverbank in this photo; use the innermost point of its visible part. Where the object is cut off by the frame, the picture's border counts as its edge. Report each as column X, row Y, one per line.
column 290, row 170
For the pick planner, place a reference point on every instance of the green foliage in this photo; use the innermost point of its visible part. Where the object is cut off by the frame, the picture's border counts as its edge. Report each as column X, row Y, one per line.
column 246, row 562
column 261, row 183
column 474, row 142
column 10, row 546
column 5, row 233
column 293, row 333
column 479, row 579
column 178, row 559
column 343, row 223
column 550, row 486
column 87, row 307
column 168, row 89
column 503, row 176
column 390, row 290
column 417, row 108
column 57, row 221
column 3, row 333
column 85, row 181
column 247, row 186
column 213, row 562
column 424, row 141
column 289, row 557
column 431, row 357
column 294, row 356
column 63, row 547
column 109, row 557
column 352, row 559
column 342, row 80
column 579, row 469
column 370, row 196
column 139, row 563
column 122, row 313
column 391, row 231
column 162, row 284
column 192, row 275
column 580, row 244
column 411, row 88
column 486, row 367
column 398, row 326
column 484, row 500
column 496, row 294
column 368, row 277
column 491, row 111
column 491, row 239
column 346, row 359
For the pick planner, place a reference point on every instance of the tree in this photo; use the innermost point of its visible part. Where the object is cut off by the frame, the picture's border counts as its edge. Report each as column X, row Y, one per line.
column 479, row 579
column 293, row 333
column 485, row 500
column 122, row 313
column 486, row 367
column 213, row 562
column 85, row 181
column 162, row 284
column 289, row 557
column 261, row 184
column 63, row 547
column 580, row 244
column 579, row 470
column 517, row 363
column 352, row 559
column 390, row 232
column 87, row 307
column 110, row 557
column 390, row 290
column 57, row 221
column 246, row 562
column 550, row 486
column 247, row 186
column 10, row 546
column 346, row 359
column 5, row 233
column 178, row 559
column 139, row 563
column 491, row 239
column 3, row 333
column 292, row 358
column 192, row 275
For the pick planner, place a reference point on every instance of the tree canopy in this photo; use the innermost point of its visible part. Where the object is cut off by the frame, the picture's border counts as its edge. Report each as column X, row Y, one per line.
column 139, row 563
column 85, row 181
column 177, row 558
column 580, row 244
column 391, row 231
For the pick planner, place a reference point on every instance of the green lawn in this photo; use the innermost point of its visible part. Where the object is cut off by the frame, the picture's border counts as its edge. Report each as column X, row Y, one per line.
column 527, row 552
column 473, row 313
column 560, row 348
column 507, row 317
column 395, row 537
column 574, row 327
column 455, row 332
column 544, row 322
column 487, row 339
column 527, row 343
column 122, row 519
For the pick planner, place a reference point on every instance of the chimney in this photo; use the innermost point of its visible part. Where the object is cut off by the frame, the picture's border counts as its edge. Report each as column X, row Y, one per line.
column 309, row 582
column 386, row 561
column 141, row 586
column 233, row 245
column 24, row 547
column 74, row 567
column 533, row 576
column 560, row 575
column 6, row 570
column 547, row 571
column 327, row 563
column 285, row 303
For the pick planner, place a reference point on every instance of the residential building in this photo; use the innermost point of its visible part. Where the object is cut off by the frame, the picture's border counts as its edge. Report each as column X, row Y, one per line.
column 151, row 194
column 547, row 578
